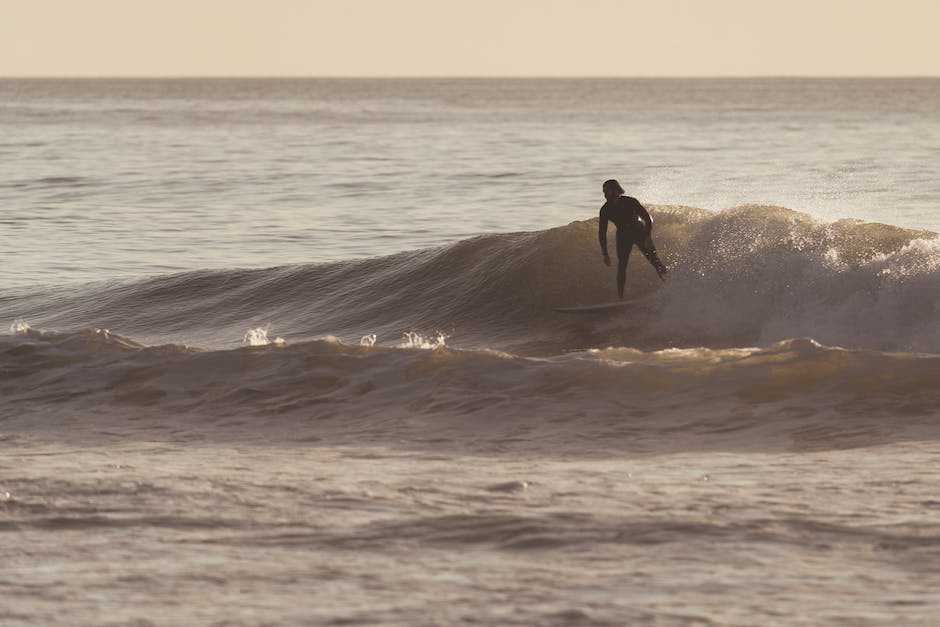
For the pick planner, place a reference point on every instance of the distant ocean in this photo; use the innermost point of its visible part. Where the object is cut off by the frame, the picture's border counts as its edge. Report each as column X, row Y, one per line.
column 283, row 351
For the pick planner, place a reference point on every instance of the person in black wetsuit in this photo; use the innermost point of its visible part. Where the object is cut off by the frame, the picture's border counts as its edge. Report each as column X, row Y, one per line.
column 634, row 226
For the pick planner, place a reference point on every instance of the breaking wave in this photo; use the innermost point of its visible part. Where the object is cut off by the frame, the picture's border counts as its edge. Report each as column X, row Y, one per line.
column 746, row 276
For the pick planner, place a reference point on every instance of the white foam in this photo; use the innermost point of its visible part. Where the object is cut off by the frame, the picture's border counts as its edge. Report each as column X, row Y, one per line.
column 413, row 339
column 259, row 337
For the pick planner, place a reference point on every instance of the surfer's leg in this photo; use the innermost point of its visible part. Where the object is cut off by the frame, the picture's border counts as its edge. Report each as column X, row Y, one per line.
column 623, row 256
column 648, row 248
column 622, row 274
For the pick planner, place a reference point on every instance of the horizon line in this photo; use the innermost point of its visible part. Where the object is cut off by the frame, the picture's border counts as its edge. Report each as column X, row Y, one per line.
column 464, row 76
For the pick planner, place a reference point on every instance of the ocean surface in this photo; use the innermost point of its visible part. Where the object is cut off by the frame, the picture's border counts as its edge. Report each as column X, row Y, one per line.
column 284, row 351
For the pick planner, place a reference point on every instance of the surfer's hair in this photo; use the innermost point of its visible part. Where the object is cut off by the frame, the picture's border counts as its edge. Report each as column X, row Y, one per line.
column 613, row 184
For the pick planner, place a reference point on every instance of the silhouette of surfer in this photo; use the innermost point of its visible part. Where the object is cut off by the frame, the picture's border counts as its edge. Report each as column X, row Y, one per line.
column 634, row 226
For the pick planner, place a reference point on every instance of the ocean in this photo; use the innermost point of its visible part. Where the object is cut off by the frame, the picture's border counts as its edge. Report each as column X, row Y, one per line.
column 284, row 351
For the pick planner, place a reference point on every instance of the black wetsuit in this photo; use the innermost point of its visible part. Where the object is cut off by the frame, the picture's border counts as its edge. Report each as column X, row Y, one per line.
column 634, row 226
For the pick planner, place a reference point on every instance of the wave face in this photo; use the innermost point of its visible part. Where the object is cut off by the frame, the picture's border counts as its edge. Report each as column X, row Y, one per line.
column 841, row 320
column 747, row 276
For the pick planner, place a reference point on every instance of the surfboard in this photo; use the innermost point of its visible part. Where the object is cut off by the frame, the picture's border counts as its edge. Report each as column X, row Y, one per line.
column 593, row 309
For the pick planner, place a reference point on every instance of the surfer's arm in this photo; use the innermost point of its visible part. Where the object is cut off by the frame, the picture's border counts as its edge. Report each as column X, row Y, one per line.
column 602, row 232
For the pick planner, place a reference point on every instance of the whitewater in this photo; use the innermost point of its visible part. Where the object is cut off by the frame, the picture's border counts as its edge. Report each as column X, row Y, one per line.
column 251, row 376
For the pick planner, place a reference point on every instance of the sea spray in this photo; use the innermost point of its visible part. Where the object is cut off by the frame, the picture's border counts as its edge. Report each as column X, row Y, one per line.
column 258, row 336
column 412, row 339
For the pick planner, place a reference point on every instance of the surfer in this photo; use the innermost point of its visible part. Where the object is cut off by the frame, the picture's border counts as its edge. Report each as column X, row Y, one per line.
column 634, row 226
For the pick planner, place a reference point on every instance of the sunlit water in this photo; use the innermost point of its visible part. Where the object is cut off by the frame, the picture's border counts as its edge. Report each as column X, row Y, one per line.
column 263, row 366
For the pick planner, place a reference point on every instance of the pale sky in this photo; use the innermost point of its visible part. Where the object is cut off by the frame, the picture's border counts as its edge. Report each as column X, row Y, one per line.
column 469, row 37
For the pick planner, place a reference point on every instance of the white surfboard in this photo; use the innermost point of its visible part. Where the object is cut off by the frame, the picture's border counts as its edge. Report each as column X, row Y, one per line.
column 593, row 309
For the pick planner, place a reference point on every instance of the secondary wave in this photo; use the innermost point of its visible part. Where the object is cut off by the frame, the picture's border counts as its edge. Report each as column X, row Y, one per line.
column 795, row 392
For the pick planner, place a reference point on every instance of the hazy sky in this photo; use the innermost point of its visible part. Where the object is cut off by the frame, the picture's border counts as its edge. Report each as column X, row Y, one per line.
column 468, row 37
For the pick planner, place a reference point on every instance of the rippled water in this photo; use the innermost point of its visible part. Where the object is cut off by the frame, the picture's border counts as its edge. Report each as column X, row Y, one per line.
column 363, row 536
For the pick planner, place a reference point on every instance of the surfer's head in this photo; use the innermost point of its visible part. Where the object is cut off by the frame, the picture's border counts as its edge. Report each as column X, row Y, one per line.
column 612, row 189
